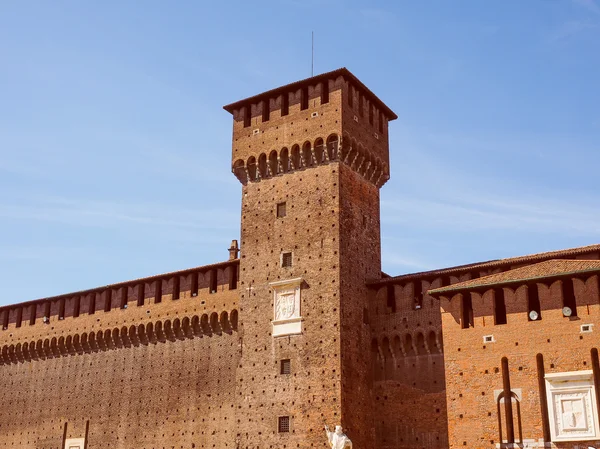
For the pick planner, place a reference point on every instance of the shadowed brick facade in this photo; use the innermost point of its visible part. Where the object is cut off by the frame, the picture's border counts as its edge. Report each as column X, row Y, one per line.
column 303, row 329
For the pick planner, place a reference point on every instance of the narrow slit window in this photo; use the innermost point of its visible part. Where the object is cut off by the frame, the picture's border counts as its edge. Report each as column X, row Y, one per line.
column 194, row 289
column 304, row 98
column 266, row 110
column 47, row 313
column 568, row 296
column 286, row 260
column 466, row 319
column 6, row 313
column 141, row 294
column 176, row 287
column 418, row 294
column 533, row 300
column 371, row 114
column 325, row 92
column 283, row 424
column 76, row 308
column 247, row 116
column 213, row 281
column 350, row 96
column 380, row 123
column 61, row 309
column 233, row 277
column 92, row 304
column 285, row 105
column 19, row 318
column 33, row 312
column 285, row 366
column 391, row 298
column 360, row 105
column 123, row 300
column 108, row 300
column 281, row 210
column 158, row 292
column 499, row 306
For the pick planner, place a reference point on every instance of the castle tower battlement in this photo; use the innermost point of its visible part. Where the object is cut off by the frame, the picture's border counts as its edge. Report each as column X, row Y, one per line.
column 329, row 117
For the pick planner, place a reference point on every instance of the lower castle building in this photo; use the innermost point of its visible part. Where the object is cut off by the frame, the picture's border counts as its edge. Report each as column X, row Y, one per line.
column 300, row 328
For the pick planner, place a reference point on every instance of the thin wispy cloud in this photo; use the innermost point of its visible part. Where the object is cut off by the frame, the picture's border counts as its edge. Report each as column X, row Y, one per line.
column 571, row 29
column 590, row 5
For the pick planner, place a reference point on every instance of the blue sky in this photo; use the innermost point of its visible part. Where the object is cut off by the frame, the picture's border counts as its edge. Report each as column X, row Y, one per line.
column 115, row 152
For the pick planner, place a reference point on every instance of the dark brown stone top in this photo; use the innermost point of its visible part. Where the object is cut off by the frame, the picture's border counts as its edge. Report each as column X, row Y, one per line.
column 357, row 84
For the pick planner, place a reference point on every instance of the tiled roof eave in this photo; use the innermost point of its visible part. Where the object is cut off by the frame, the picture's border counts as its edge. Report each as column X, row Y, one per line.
column 489, row 264
column 454, row 290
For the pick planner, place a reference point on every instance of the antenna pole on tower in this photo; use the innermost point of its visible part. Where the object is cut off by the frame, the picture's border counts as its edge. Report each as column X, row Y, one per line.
column 312, row 54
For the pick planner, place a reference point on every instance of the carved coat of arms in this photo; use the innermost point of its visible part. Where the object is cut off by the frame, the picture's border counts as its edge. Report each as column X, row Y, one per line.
column 286, row 305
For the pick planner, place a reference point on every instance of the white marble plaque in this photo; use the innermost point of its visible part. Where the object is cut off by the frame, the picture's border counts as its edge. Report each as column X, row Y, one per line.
column 572, row 406
column 75, row 443
column 287, row 319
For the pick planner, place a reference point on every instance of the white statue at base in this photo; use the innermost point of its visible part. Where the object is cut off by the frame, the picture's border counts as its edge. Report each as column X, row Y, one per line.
column 338, row 439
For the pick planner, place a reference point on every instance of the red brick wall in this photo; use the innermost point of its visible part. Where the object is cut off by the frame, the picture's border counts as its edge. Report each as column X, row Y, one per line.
column 408, row 367
column 170, row 385
column 473, row 368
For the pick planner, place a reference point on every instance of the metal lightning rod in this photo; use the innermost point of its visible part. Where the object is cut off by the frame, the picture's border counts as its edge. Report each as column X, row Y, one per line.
column 312, row 54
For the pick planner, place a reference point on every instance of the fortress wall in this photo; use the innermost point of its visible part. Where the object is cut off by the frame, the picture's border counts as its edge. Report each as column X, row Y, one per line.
column 153, row 375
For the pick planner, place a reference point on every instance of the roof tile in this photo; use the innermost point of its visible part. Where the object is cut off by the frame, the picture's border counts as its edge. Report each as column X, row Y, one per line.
column 541, row 270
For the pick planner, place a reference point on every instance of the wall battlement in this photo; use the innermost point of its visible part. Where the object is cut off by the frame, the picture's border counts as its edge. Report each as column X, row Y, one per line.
column 207, row 286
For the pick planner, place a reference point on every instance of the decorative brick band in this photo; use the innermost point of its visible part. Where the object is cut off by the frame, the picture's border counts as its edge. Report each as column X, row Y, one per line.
column 311, row 154
column 160, row 331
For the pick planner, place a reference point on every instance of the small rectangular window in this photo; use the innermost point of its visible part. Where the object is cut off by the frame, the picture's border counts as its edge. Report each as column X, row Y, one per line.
column 286, row 260
column 285, row 366
column 285, row 104
column 283, row 424
column 281, row 210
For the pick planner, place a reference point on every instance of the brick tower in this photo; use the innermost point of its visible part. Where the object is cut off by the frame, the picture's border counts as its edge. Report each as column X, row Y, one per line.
column 311, row 157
